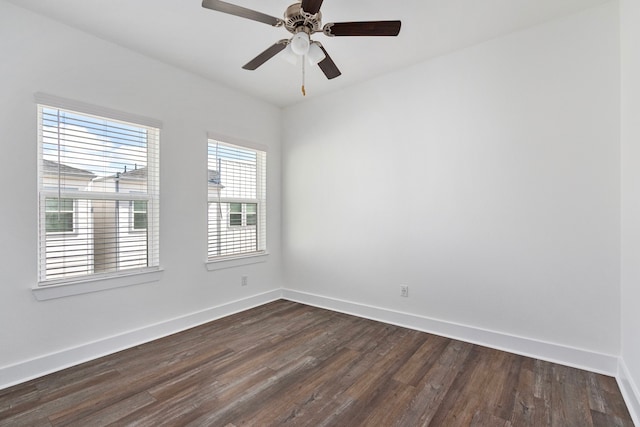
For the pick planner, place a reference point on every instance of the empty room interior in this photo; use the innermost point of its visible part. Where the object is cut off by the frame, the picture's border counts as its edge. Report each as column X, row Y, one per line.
column 436, row 222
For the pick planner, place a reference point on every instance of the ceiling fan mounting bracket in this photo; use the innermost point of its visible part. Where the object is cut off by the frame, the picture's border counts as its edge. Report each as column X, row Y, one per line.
column 296, row 20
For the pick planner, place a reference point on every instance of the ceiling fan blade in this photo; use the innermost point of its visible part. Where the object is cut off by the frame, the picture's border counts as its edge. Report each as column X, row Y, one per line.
column 242, row 12
column 269, row 53
column 311, row 6
column 363, row 28
column 328, row 67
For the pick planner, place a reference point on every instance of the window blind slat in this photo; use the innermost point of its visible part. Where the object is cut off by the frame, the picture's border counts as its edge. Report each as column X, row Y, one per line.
column 236, row 200
column 99, row 195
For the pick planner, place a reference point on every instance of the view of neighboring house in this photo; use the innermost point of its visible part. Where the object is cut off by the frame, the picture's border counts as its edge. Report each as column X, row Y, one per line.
column 234, row 201
column 120, row 226
column 85, row 235
column 67, row 223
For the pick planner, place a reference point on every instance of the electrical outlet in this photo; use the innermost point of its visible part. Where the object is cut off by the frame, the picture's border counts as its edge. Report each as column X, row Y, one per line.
column 244, row 280
column 404, row 290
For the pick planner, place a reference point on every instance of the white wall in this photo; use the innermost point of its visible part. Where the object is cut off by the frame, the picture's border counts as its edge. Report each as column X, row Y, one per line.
column 630, row 137
column 39, row 55
column 487, row 180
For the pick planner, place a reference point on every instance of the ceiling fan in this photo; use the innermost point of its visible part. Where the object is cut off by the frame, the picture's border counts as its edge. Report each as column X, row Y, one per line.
column 303, row 19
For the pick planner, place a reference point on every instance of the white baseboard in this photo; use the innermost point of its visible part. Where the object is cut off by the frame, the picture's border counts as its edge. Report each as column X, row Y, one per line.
column 583, row 359
column 569, row 356
column 43, row 365
column 630, row 391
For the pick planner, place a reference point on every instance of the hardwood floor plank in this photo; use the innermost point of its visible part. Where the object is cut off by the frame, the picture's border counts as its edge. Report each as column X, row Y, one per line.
column 422, row 360
column 506, row 400
column 435, row 385
column 37, row 422
column 605, row 420
column 285, row 363
column 485, row 419
column 461, row 401
column 370, row 389
column 596, row 399
column 322, row 385
column 371, row 337
column 192, row 402
column 54, row 392
column 529, row 409
column 382, row 368
column 389, row 405
column 570, row 404
column 309, row 401
column 114, row 412
column 609, row 391
column 233, row 406
column 54, row 401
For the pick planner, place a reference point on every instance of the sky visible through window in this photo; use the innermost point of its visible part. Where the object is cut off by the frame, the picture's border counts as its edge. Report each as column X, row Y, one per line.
column 103, row 147
column 218, row 151
column 234, row 168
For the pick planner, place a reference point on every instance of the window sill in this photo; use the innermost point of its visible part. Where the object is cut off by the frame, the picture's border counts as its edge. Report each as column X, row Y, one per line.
column 61, row 290
column 236, row 261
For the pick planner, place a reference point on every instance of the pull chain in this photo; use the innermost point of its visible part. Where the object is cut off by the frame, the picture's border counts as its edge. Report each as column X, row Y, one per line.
column 304, row 93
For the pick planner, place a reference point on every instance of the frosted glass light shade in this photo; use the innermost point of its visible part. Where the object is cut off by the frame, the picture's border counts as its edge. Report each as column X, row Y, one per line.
column 300, row 43
column 289, row 56
column 315, row 54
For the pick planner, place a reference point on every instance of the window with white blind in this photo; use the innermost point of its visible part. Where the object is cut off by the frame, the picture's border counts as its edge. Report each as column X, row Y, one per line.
column 237, row 201
column 98, row 195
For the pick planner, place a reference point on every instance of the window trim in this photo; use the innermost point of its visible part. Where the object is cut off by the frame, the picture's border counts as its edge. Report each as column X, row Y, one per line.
column 247, row 258
column 96, row 284
column 96, row 110
column 57, row 288
column 233, row 261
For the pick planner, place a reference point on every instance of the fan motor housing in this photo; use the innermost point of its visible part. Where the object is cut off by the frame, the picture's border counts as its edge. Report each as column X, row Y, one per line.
column 296, row 20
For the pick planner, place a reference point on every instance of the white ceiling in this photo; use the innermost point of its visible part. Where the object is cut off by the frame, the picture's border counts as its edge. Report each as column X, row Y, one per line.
column 216, row 45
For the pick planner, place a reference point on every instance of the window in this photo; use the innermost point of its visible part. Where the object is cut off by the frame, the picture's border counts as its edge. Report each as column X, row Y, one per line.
column 139, row 209
column 59, row 215
column 237, row 200
column 235, row 214
column 243, row 214
column 98, row 181
column 250, row 214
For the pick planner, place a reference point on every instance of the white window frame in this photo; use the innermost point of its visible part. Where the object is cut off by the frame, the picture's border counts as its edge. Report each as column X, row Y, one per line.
column 243, row 258
column 50, row 289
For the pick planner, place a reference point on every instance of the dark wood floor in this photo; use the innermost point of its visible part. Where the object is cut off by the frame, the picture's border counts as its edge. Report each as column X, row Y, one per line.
column 289, row 364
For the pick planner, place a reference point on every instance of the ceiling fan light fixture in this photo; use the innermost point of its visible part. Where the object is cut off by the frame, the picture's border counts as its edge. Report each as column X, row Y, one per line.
column 300, row 43
column 315, row 54
column 289, row 56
